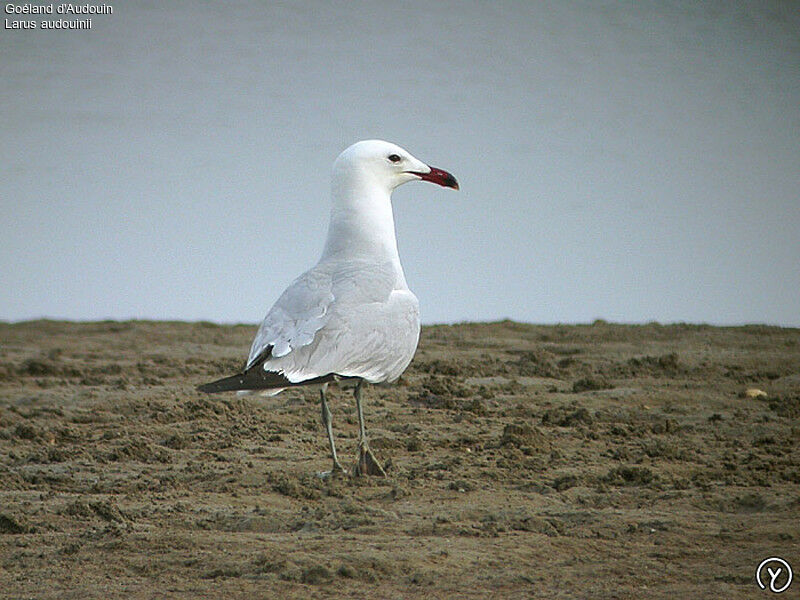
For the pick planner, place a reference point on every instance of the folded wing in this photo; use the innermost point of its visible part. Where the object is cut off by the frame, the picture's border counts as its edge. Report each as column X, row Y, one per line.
column 292, row 322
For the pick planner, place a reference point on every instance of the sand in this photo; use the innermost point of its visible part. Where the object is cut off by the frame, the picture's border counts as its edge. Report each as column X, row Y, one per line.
column 596, row 461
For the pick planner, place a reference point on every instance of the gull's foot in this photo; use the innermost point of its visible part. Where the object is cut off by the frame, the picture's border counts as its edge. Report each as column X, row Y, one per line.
column 337, row 471
column 367, row 463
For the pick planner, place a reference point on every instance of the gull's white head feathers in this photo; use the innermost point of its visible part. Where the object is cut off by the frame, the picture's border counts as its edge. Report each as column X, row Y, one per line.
column 383, row 165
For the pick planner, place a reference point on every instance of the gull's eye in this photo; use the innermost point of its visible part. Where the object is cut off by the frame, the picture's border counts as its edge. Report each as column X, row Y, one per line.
column 394, row 158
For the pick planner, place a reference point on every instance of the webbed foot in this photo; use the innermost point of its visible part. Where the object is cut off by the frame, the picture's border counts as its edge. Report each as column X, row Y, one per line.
column 367, row 463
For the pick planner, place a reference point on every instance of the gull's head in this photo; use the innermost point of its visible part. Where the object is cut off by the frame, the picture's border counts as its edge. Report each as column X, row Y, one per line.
column 385, row 165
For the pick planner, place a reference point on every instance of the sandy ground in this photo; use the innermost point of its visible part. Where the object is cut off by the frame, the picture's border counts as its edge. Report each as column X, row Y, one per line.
column 597, row 461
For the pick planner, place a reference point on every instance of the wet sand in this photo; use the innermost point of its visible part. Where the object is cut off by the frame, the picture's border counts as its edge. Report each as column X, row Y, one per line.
column 602, row 461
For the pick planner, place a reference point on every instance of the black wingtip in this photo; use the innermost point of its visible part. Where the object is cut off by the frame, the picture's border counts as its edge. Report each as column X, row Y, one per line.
column 254, row 378
column 259, row 379
column 234, row 383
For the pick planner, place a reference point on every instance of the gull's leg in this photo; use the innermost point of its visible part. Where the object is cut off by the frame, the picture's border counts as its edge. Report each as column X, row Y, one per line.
column 326, row 421
column 367, row 463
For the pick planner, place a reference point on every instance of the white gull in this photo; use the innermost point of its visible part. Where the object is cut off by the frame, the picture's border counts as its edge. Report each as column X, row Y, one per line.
column 351, row 316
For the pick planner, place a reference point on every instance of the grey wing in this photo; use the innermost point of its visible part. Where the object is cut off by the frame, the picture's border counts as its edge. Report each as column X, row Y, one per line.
column 371, row 332
column 380, row 342
column 294, row 319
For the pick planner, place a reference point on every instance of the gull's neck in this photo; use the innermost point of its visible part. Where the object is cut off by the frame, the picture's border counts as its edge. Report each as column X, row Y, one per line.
column 362, row 224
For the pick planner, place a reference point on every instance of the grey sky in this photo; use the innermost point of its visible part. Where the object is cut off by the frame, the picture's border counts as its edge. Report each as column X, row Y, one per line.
column 626, row 161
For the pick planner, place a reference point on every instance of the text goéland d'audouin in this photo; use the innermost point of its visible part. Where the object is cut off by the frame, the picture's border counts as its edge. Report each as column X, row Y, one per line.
column 64, row 9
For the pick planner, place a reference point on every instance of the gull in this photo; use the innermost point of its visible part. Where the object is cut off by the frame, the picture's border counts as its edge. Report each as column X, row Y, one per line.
column 351, row 317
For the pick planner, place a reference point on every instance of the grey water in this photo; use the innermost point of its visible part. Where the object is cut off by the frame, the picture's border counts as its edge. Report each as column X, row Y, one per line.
column 630, row 161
